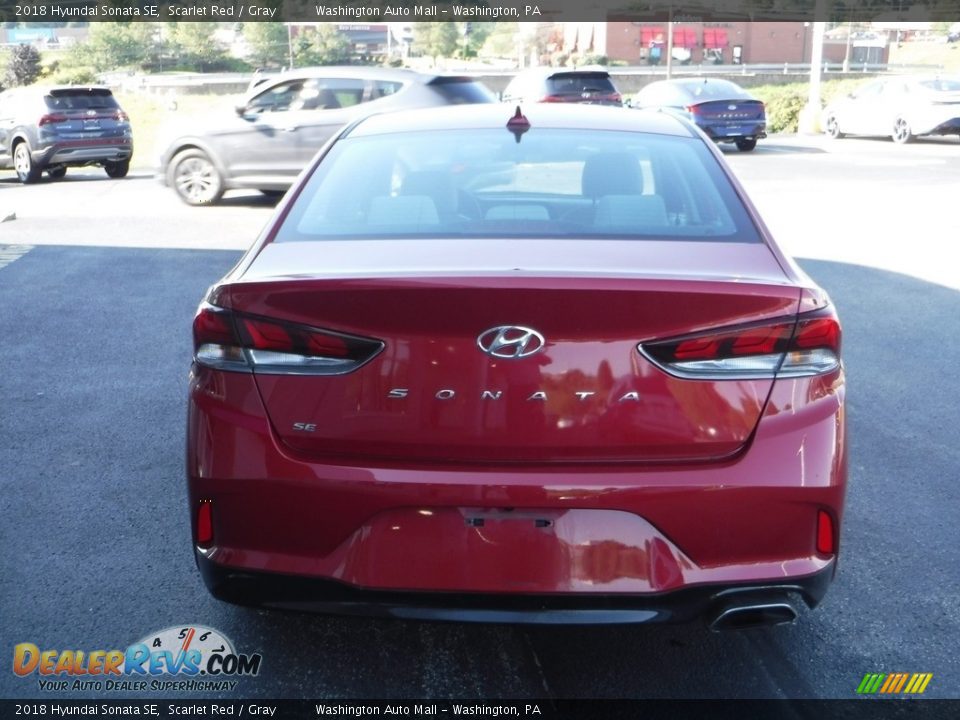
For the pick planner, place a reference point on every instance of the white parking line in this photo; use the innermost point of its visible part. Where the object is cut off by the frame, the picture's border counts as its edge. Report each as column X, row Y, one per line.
column 9, row 253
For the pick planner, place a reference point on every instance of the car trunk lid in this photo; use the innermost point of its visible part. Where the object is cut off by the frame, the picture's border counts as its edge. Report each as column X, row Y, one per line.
column 434, row 395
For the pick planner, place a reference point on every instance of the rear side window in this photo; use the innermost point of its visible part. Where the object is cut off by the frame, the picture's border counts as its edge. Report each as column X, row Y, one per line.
column 461, row 91
column 579, row 83
column 77, row 99
column 383, row 88
column 554, row 183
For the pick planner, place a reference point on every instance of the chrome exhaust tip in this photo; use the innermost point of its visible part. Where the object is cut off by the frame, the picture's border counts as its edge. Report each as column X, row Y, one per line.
column 742, row 617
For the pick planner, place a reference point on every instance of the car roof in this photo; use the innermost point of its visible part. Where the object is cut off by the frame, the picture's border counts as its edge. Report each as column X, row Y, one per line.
column 495, row 115
column 357, row 71
column 687, row 83
column 545, row 72
column 59, row 88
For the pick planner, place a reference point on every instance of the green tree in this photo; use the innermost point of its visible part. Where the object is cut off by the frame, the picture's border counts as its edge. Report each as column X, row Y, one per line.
column 325, row 46
column 267, row 42
column 474, row 34
column 23, row 66
column 436, row 39
column 114, row 46
column 196, row 48
column 501, row 42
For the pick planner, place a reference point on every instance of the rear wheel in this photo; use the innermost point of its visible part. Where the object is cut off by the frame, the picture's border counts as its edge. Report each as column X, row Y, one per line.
column 747, row 144
column 902, row 133
column 117, row 169
column 833, row 127
column 195, row 178
column 57, row 173
column 27, row 170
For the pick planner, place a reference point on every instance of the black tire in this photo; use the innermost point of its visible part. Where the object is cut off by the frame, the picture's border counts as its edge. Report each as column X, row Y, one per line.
column 833, row 127
column 27, row 170
column 117, row 169
column 902, row 134
column 57, row 173
column 195, row 178
column 746, row 144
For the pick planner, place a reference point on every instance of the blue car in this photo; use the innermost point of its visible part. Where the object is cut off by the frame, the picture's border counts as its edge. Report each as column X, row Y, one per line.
column 50, row 128
column 722, row 109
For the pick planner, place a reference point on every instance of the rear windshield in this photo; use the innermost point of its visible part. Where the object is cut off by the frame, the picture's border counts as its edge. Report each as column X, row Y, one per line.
column 79, row 99
column 553, row 183
column 459, row 91
column 715, row 90
column 579, row 83
column 941, row 85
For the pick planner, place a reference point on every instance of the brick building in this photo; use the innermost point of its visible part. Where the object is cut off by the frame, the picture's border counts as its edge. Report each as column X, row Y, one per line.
column 641, row 43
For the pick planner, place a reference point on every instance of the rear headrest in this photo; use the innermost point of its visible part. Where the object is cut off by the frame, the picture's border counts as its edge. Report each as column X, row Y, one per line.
column 434, row 184
column 413, row 211
column 611, row 174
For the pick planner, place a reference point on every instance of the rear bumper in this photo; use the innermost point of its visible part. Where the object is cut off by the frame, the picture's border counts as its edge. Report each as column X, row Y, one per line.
column 83, row 152
column 719, row 133
column 301, row 533
column 707, row 602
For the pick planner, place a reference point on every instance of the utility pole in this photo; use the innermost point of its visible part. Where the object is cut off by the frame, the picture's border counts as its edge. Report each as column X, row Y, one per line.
column 809, row 123
column 670, row 42
column 846, row 56
column 290, row 45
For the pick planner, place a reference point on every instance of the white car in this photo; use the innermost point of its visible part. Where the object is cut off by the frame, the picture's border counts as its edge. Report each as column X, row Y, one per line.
column 901, row 107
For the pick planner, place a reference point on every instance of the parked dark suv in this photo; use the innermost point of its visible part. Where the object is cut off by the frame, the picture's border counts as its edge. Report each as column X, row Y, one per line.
column 51, row 128
column 286, row 119
column 591, row 86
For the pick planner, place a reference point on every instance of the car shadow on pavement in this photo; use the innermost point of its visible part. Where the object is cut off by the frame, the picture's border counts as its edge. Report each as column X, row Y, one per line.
column 81, row 175
column 765, row 147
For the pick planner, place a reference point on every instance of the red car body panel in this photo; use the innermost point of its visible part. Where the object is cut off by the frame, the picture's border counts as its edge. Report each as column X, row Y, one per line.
column 440, row 489
column 335, row 521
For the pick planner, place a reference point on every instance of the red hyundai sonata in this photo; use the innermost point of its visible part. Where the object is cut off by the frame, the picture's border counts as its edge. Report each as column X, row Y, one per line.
column 540, row 367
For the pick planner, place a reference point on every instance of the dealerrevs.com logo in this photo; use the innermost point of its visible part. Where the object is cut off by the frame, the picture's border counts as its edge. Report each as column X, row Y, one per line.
column 188, row 658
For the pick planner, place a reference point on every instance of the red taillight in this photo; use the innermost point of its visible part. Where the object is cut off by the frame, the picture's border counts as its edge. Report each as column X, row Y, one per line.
column 807, row 346
column 51, row 118
column 121, row 116
column 213, row 325
column 694, row 109
column 260, row 334
column 205, row 523
column 228, row 340
column 826, row 537
column 553, row 99
column 749, row 341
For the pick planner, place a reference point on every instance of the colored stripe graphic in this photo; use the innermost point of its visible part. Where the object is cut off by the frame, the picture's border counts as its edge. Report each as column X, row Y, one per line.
column 894, row 683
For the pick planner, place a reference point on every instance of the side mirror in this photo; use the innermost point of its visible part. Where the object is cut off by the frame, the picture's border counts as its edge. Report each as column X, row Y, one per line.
column 242, row 112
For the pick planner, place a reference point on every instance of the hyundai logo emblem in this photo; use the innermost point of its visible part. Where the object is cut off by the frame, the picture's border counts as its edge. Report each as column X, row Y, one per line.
column 511, row 341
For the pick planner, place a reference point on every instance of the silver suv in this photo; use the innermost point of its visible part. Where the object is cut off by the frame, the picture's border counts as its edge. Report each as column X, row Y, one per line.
column 51, row 128
column 286, row 119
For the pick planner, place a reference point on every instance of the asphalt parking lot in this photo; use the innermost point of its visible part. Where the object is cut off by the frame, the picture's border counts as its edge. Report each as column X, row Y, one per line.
column 99, row 280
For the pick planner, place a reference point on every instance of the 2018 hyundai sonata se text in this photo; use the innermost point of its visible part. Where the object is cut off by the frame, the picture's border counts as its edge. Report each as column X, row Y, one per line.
column 547, row 366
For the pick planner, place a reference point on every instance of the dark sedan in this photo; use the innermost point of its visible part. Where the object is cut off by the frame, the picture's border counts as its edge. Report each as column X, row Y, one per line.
column 722, row 109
